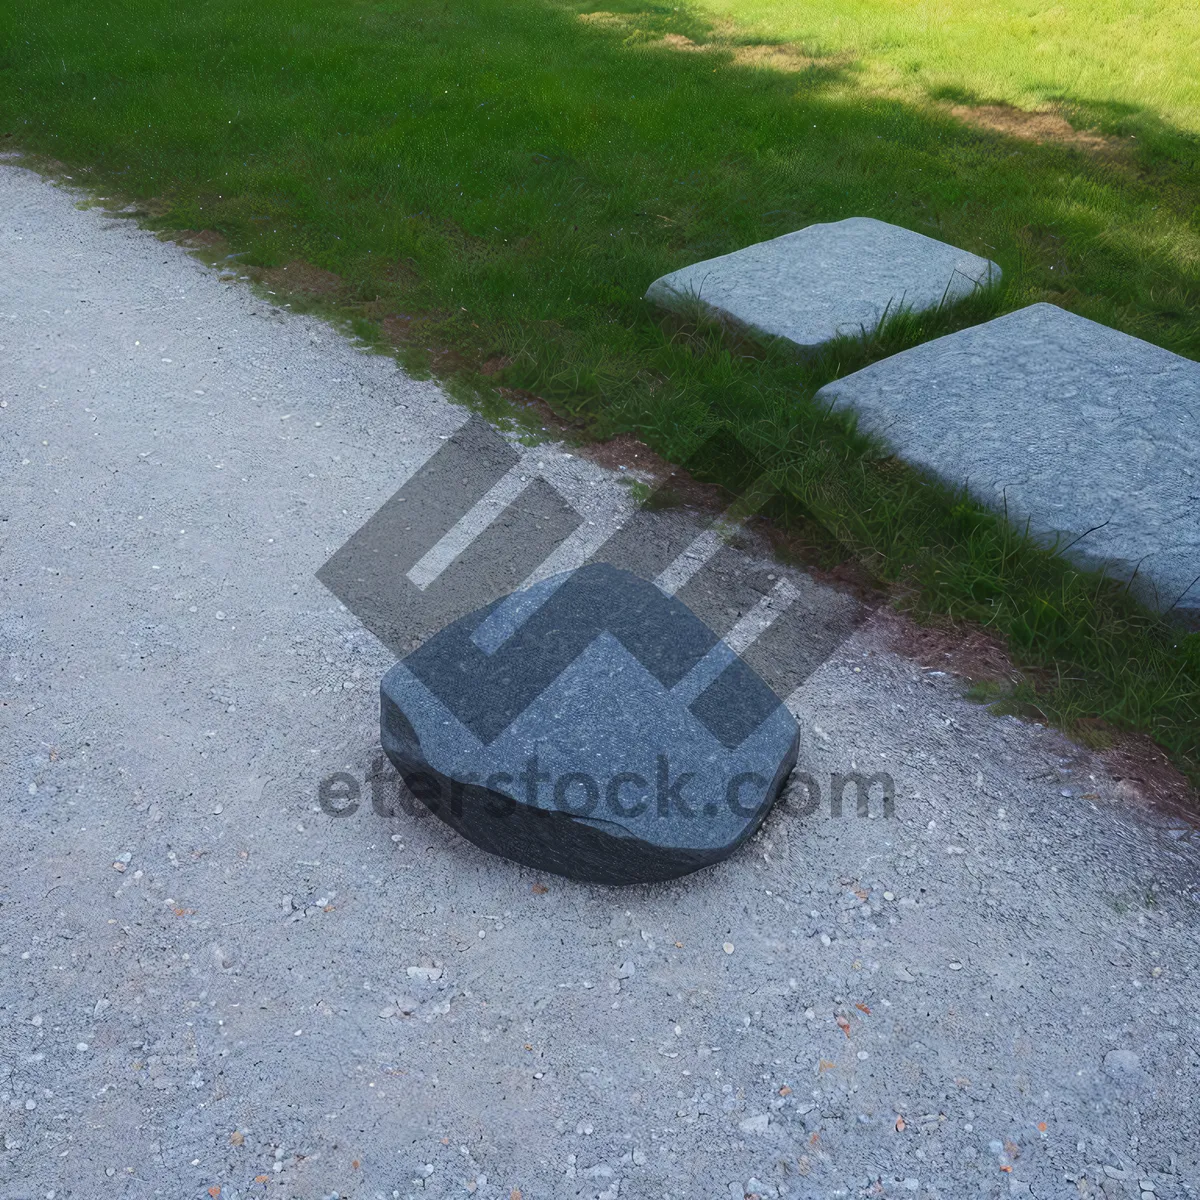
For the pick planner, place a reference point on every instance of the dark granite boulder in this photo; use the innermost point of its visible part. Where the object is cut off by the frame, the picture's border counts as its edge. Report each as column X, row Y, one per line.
column 591, row 726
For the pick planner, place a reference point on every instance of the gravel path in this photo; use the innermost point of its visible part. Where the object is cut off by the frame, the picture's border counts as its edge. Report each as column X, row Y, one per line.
column 208, row 982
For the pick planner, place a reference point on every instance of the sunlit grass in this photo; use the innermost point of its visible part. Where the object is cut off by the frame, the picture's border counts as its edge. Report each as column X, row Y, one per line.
column 1116, row 60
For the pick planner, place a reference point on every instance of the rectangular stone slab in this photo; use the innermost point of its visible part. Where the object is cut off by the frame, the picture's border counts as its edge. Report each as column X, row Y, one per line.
column 1073, row 425
column 830, row 279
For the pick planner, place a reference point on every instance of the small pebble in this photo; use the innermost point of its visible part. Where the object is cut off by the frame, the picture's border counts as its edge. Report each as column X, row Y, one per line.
column 1121, row 1062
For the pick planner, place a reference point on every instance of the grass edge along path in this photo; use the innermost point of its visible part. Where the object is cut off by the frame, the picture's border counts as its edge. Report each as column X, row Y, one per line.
column 1089, row 656
column 579, row 336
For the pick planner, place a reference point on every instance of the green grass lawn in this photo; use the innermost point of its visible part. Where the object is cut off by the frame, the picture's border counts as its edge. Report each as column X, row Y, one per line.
column 1127, row 65
column 498, row 183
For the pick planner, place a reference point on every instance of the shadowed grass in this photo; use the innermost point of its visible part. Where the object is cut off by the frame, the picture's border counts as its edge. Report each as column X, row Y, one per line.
column 496, row 185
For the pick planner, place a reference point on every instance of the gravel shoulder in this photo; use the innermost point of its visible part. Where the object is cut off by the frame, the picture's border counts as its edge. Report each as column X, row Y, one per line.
column 207, row 982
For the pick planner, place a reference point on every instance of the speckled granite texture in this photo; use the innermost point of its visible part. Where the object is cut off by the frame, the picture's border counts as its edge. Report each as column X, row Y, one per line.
column 814, row 284
column 1090, row 435
column 611, row 736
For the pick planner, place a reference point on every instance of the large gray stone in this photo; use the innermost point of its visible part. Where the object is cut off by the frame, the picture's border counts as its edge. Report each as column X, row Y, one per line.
column 814, row 284
column 591, row 726
column 1090, row 435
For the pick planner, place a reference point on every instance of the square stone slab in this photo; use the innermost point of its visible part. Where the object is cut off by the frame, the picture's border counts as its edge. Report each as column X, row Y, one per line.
column 814, row 284
column 1076, row 426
